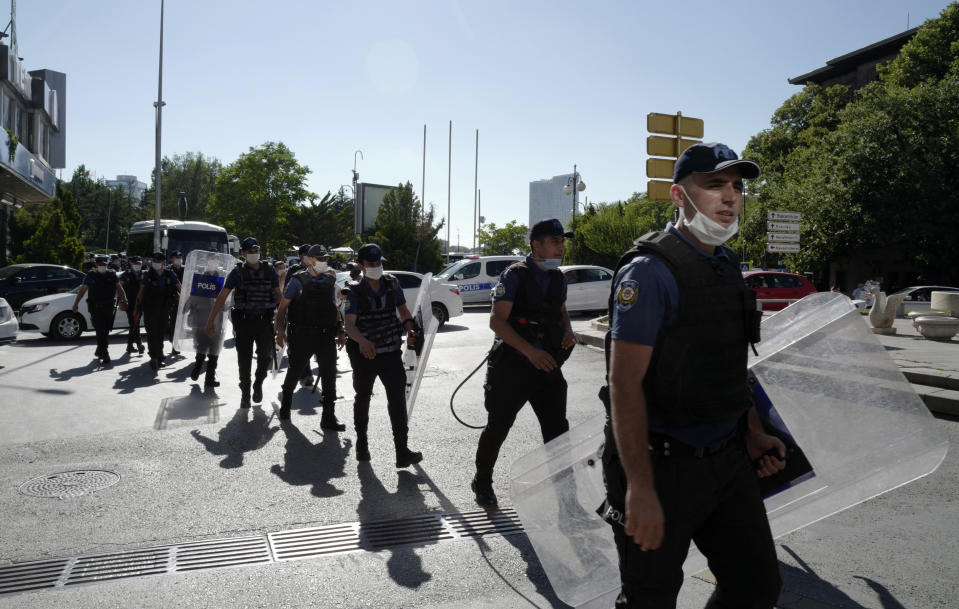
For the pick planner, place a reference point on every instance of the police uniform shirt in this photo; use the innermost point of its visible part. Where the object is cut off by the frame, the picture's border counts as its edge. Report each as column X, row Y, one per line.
column 233, row 280
column 91, row 279
column 645, row 299
column 294, row 288
column 508, row 285
column 353, row 300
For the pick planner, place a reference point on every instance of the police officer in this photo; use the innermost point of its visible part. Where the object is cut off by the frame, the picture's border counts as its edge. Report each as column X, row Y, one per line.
column 257, row 295
column 533, row 339
column 130, row 281
column 306, row 379
column 374, row 350
column 315, row 328
column 683, row 449
column 176, row 265
column 159, row 290
column 115, row 263
column 104, row 288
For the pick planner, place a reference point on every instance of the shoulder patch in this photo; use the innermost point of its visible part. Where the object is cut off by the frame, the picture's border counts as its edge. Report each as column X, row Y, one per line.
column 626, row 294
column 499, row 290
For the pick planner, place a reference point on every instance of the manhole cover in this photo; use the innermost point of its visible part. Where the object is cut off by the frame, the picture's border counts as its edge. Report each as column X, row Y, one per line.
column 66, row 485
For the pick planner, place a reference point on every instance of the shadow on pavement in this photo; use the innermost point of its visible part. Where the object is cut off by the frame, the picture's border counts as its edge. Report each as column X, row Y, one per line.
column 804, row 581
column 404, row 565
column 198, row 404
column 242, row 434
column 66, row 375
column 131, row 379
column 448, row 327
column 306, row 463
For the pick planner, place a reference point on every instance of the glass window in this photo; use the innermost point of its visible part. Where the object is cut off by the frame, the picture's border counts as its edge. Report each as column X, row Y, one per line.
column 408, row 281
column 468, row 272
column 785, row 281
column 595, row 275
column 56, row 272
column 495, row 267
column 34, row 273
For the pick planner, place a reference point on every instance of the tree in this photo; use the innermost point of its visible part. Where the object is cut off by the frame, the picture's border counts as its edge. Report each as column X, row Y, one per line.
column 329, row 222
column 406, row 232
column 55, row 240
column 257, row 195
column 607, row 230
column 97, row 204
column 190, row 173
column 510, row 239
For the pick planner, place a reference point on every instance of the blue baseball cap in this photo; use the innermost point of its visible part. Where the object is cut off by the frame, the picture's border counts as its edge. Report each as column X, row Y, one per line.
column 712, row 157
column 370, row 252
column 548, row 228
column 249, row 243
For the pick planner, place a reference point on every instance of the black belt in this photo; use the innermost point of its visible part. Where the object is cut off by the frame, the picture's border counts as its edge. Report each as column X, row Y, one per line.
column 314, row 329
column 671, row 447
column 257, row 316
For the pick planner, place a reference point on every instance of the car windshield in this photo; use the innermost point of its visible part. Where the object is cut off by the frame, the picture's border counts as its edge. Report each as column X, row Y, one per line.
column 448, row 272
column 9, row 270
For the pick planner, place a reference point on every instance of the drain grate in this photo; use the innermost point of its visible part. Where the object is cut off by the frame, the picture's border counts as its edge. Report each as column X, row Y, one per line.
column 258, row 549
column 67, row 485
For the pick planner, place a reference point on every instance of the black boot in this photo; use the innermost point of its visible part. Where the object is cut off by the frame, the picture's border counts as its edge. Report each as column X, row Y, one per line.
column 286, row 400
column 404, row 456
column 245, row 394
column 210, row 380
column 483, row 493
column 258, row 390
column 198, row 366
column 329, row 421
column 362, row 447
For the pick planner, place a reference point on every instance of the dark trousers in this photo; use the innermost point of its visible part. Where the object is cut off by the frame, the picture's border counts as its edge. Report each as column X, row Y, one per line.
column 253, row 330
column 102, row 317
column 388, row 367
column 133, row 334
column 155, row 321
column 304, row 344
column 714, row 502
column 511, row 381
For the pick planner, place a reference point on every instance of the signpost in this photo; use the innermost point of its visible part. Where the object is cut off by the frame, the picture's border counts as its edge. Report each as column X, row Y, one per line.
column 783, row 232
column 681, row 133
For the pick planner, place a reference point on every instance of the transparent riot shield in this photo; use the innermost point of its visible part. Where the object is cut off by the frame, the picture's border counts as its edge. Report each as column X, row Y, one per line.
column 416, row 356
column 203, row 277
column 822, row 381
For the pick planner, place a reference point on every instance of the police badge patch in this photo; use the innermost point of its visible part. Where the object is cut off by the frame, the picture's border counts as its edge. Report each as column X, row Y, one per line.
column 499, row 290
column 626, row 295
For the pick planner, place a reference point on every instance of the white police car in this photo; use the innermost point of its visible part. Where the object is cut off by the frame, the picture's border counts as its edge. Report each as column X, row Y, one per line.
column 8, row 323
column 475, row 277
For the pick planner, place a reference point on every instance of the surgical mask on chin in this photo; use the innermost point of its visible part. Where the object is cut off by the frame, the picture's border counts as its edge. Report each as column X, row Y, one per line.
column 281, row 272
column 177, row 262
column 253, row 258
column 320, row 266
column 706, row 229
column 136, row 268
column 550, row 263
column 373, row 272
column 101, row 269
column 158, row 267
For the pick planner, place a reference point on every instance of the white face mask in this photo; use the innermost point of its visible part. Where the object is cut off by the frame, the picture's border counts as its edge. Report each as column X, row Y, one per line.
column 281, row 272
column 253, row 258
column 706, row 229
column 373, row 272
column 320, row 266
column 177, row 262
column 101, row 268
column 157, row 266
column 550, row 263
column 136, row 267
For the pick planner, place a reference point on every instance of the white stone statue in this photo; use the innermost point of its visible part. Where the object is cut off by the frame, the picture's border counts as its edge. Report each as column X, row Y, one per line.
column 883, row 310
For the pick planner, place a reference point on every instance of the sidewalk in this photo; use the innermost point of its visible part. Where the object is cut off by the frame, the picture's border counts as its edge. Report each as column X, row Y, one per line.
column 931, row 366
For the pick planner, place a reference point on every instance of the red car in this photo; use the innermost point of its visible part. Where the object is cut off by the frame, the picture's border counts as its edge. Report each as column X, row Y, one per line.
column 781, row 287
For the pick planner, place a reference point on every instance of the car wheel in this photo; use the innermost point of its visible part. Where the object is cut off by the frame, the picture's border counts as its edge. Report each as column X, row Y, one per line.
column 66, row 326
column 439, row 312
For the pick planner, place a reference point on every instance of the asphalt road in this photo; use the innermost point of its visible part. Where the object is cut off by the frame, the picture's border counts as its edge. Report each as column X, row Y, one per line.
column 192, row 466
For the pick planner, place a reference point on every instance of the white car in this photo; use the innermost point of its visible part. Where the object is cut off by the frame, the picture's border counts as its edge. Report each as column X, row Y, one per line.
column 53, row 316
column 446, row 298
column 476, row 276
column 587, row 287
column 8, row 323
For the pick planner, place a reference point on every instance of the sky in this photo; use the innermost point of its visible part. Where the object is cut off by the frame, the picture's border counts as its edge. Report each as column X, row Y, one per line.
column 547, row 84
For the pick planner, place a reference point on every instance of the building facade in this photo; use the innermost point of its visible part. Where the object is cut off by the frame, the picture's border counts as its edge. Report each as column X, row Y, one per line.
column 130, row 185
column 546, row 200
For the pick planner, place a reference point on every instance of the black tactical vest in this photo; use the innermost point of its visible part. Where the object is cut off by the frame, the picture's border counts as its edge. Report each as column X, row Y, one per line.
column 535, row 316
column 314, row 307
column 155, row 296
column 103, row 290
column 254, row 292
column 131, row 285
column 698, row 369
column 377, row 319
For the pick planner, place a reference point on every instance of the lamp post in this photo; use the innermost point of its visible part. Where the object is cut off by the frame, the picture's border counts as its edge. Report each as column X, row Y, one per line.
column 574, row 185
column 357, row 212
column 158, row 104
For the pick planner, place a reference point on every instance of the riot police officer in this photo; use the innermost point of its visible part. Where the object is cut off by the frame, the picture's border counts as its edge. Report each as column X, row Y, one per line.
column 315, row 328
column 104, row 287
column 257, row 295
column 176, row 265
column 374, row 350
column 159, row 291
column 130, row 281
column 533, row 339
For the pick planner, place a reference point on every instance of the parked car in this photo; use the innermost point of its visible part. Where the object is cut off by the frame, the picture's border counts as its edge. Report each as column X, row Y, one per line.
column 587, row 287
column 53, row 316
column 919, row 297
column 475, row 277
column 781, row 288
column 8, row 323
column 445, row 296
column 21, row 282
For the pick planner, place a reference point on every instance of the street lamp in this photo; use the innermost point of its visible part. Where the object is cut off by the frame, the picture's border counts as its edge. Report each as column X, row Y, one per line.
column 574, row 185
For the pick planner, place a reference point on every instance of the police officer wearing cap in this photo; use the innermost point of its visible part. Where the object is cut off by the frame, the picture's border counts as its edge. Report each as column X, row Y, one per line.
column 257, row 290
column 130, row 281
column 302, row 265
column 374, row 349
column 176, row 265
column 533, row 339
column 105, row 292
column 158, row 291
column 315, row 329
column 684, row 450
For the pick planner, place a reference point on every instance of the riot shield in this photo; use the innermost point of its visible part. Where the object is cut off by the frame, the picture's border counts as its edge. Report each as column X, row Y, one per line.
column 822, row 380
column 204, row 274
column 415, row 357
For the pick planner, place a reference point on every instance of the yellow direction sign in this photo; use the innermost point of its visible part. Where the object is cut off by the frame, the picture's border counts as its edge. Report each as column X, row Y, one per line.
column 658, row 190
column 660, row 168
column 674, row 124
column 657, row 145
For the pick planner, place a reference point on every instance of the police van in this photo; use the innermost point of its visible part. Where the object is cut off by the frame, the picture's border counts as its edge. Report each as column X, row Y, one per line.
column 475, row 277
